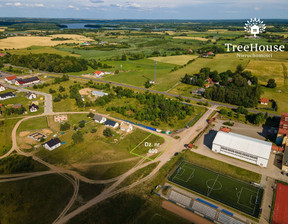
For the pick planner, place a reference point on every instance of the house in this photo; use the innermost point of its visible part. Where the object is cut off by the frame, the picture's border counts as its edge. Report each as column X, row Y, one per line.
column 27, row 81
column 30, row 95
column 98, row 74
column 33, row 108
column 99, row 93
column 210, row 81
column 249, row 83
column 52, row 144
column 17, row 105
column 126, row 127
column 99, row 119
column 11, row 79
column 2, row 88
column 199, row 91
column 60, row 118
column 110, row 123
column 210, row 53
column 227, row 130
column 1, row 55
column 5, row 96
column 207, row 85
column 204, row 55
column 264, row 101
column 230, row 79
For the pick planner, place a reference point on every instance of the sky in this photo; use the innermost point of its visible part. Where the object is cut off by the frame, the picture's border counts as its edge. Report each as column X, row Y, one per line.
column 146, row 9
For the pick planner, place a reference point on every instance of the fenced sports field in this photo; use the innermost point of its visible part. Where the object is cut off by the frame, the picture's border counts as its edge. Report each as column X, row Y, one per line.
column 239, row 195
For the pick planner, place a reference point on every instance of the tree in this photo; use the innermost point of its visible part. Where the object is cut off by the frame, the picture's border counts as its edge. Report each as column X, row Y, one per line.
column 61, row 89
column 108, row 132
column 242, row 110
column 64, row 126
column 230, row 114
column 239, row 69
column 82, row 125
column 77, row 137
column 148, row 84
column 223, row 112
column 271, row 83
column 91, row 115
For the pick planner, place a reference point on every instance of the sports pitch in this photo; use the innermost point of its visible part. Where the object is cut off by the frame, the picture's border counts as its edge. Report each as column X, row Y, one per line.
column 234, row 193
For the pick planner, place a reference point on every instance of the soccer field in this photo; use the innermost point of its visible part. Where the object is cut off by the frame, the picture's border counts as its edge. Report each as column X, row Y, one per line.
column 234, row 193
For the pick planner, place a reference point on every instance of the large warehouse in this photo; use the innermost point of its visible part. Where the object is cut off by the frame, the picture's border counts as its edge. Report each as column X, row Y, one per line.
column 242, row 147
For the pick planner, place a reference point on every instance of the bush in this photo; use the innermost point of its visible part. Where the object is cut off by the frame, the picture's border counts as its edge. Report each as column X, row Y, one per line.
column 271, row 83
column 82, row 124
column 65, row 126
column 228, row 123
column 108, row 132
column 90, row 115
column 93, row 130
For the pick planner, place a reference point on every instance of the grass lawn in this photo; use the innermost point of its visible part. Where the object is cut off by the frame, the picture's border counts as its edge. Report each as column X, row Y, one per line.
column 33, row 200
column 177, row 60
column 36, row 123
column 5, row 135
column 232, row 192
column 223, row 168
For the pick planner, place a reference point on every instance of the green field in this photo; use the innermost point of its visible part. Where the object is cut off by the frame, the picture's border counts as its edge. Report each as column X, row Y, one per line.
column 5, row 135
column 36, row 123
column 229, row 191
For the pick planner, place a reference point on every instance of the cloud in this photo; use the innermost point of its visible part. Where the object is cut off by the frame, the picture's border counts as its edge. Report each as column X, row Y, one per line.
column 73, row 7
column 97, row 1
column 17, row 4
column 256, row 8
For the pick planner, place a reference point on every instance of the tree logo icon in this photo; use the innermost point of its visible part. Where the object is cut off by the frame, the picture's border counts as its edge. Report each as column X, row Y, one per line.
column 254, row 26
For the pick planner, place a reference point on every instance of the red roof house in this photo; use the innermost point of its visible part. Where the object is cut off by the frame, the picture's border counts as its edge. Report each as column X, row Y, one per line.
column 264, row 101
column 12, row 77
column 210, row 53
column 227, row 130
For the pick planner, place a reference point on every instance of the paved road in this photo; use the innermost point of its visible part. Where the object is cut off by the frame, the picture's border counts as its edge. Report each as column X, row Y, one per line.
column 213, row 103
column 48, row 104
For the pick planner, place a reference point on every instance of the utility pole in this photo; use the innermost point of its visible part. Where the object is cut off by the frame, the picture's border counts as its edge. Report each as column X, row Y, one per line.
column 155, row 72
column 121, row 68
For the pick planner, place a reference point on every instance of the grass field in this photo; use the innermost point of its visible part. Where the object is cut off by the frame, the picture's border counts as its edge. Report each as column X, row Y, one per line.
column 232, row 192
column 177, row 60
column 5, row 135
column 33, row 200
column 36, row 123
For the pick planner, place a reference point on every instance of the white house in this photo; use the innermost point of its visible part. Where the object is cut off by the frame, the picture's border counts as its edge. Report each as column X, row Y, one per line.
column 11, row 79
column 242, row 147
column 33, row 108
column 110, row 123
column 2, row 88
column 5, row 96
column 99, row 119
column 30, row 95
column 52, row 144
column 98, row 74
column 126, row 127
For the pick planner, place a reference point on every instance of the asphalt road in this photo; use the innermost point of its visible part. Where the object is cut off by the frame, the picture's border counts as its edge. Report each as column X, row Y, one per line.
column 213, row 103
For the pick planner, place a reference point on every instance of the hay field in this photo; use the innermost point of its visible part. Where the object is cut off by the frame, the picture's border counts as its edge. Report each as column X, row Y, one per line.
column 177, row 60
column 193, row 38
column 24, row 42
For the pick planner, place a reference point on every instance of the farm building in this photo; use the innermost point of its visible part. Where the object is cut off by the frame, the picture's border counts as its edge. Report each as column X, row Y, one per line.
column 5, row 96
column 111, row 123
column 99, row 93
column 2, row 88
column 30, row 95
column 60, row 118
column 126, row 127
column 242, row 147
column 11, row 79
column 52, row 144
column 99, row 119
column 264, row 101
column 27, row 81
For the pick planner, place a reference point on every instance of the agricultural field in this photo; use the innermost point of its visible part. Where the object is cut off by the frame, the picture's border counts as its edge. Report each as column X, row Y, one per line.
column 229, row 191
column 177, row 60
column 28, row 41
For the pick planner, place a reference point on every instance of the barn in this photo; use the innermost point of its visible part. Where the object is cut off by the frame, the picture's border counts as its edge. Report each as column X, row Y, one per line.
column 242, row 147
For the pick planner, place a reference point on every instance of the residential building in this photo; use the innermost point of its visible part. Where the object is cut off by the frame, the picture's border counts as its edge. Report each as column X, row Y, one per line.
column 6, row 96
column 2, row 88
column 52, row 144
column 99, row 119
column 99, row 93
column 11, row 79
column 30, row 95
column 27, row 81
column 264, row 101
column 210, row 53
column 60, row 118
column 242, row 147
column 33, row 108
column 110, row 123
column 126, row 127
column 98, row 74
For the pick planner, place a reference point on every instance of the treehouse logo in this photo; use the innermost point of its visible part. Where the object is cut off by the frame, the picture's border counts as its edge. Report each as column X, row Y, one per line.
column 255, row 27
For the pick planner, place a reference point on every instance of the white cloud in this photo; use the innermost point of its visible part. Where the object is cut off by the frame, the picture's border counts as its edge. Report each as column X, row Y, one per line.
column 17, row 4
column 8, row 3
column 73, row 7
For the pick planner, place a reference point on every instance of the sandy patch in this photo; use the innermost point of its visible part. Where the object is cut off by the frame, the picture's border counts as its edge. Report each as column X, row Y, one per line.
column 46, row 132
column 184, row 213
column 85, row 91
column 24, row 133
column 25, row 146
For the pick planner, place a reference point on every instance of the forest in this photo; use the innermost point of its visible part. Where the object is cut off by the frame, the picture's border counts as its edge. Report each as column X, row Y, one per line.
column 239, row 88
